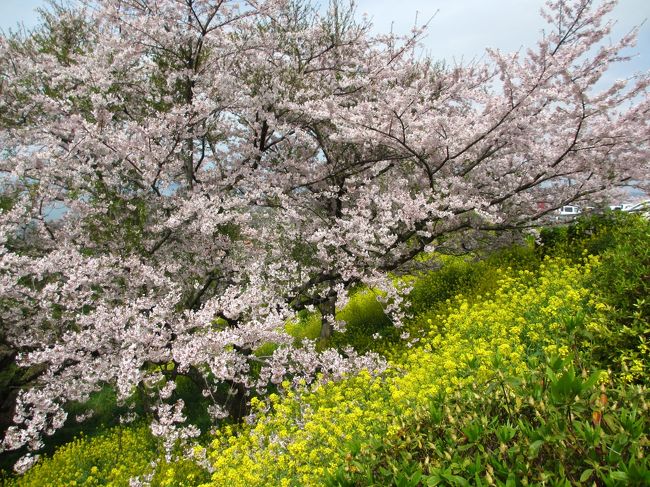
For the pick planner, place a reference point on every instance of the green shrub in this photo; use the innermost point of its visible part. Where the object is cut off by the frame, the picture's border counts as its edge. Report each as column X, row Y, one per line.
column 364, row 316
column 620, row 339
column 466, row 275
column 590, row 234
column 553, row 425
column 110, row 458
column 306, row 326
column 455, row 275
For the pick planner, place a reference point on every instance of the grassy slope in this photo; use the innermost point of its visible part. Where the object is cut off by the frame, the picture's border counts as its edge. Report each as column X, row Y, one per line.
column 474, row 332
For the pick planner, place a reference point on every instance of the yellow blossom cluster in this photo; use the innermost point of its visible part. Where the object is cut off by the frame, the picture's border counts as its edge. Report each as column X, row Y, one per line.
column 110, row 459
column 299, row 440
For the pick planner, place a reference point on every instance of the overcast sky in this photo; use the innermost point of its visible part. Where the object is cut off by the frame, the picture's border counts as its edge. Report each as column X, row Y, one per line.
column 460, row 30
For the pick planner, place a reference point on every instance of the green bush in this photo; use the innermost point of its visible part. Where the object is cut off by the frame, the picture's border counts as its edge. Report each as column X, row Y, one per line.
column 364, row 317
column 553, row 425
column 620, row 340
column 466, row 275
column 307, row 325
column 455, row 275
column 111, row 458
column 591, row 234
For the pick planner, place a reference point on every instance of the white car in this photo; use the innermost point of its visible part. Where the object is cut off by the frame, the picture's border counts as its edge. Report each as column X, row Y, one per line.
column 642, row 208
column 569, row 210
column 621, row 207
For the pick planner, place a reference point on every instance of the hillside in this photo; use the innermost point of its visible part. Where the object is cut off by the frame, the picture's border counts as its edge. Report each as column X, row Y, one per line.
column 528, row 366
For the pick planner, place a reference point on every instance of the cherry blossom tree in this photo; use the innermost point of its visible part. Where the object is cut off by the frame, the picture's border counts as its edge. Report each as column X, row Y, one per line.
column 219, row 166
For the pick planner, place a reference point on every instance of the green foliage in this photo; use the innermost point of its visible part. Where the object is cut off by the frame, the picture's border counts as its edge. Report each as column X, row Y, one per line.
column 6, row 201
column 618, row 340
column 591, row 234
column 455, row 275
column 429, row 298
column 111, row 458
column 302, row 437
column 124, row 221
column 467, row 276
column 306, row 326
column 435, row 294
column 364, row 316
column 195, row 404
column 621, row 337
column 551, row 425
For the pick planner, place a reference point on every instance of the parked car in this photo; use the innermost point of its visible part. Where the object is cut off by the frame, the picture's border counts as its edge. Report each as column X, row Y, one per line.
column 643, row 208
column 621, row 207
column 567, row 212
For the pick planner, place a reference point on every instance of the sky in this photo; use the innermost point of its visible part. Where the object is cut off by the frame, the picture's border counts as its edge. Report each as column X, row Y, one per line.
column 14, row 11
column 460, row 29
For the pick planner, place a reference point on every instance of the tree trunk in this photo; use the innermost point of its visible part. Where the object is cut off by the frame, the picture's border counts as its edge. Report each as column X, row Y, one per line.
column 238, row 406
column 327, row 310
column 237, row 403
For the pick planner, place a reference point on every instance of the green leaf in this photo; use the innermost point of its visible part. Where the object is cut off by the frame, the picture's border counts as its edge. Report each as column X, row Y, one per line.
column 457, row 480
column 591, row 381
column 416, row 477
column 533, row 449
column 586, row 474
column 618, row 475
